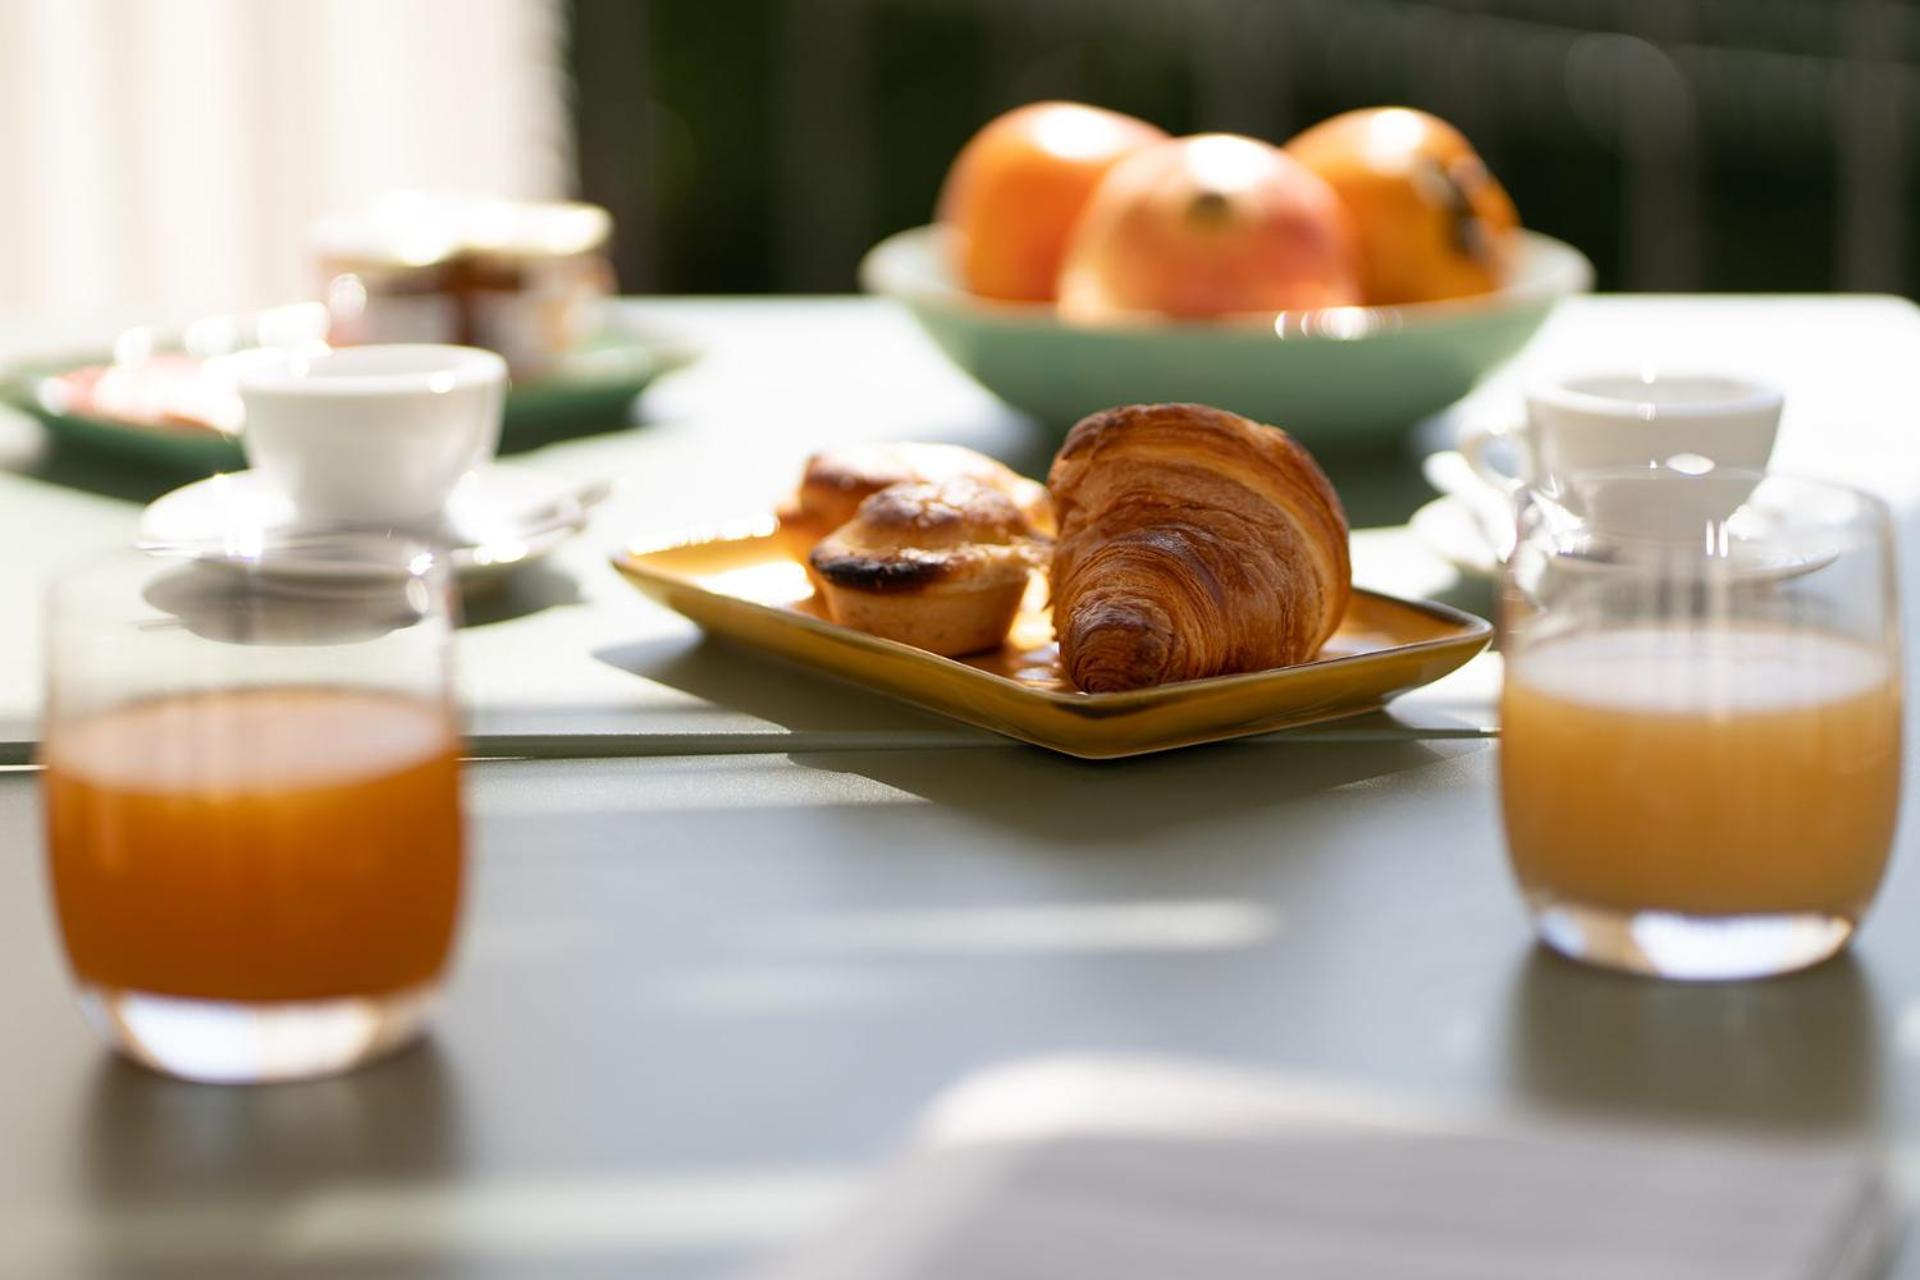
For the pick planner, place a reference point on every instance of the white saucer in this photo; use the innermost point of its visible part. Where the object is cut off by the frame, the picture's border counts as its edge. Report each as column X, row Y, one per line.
column 497, row 519
column 1459, row 526
column 1451, row 529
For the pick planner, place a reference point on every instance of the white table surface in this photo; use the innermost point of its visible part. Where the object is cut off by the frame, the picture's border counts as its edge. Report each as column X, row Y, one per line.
column 702, row 994
column 567, row 648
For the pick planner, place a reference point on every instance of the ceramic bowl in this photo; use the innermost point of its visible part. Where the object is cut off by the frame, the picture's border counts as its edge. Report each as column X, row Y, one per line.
column 1336, row 376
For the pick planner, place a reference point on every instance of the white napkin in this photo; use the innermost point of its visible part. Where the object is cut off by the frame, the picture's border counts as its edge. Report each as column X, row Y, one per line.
column 1090, row 1169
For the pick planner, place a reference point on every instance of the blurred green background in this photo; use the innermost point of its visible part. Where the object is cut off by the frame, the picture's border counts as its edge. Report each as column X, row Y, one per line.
column 756, row 145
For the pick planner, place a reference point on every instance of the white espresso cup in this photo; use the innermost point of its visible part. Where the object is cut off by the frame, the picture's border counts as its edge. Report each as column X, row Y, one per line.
column 1605, row 421
column 368, row 435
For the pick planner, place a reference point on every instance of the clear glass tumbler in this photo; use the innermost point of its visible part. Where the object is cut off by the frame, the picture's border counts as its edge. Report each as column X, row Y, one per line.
column 252, row 802
column 1701, row 722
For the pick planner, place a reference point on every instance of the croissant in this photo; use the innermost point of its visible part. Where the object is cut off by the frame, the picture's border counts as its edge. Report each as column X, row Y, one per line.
column 1192, row 543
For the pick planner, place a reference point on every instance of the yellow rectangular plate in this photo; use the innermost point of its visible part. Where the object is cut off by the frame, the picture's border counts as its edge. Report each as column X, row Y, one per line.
column 740, row 584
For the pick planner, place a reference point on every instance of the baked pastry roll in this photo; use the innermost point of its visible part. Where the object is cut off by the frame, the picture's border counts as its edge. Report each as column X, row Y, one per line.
column 938, row 566
column 837, row 481
column 1192, row 543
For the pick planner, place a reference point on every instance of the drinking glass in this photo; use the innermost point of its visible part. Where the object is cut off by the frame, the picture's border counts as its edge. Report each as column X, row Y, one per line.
column 252, row 802
column 1701, row 720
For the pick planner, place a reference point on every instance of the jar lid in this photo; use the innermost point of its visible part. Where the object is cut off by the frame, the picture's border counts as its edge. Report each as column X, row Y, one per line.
column 418, row 229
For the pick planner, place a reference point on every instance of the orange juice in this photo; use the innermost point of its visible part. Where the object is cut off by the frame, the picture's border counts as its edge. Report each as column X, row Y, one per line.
column 257, row 845
column 1711, row 773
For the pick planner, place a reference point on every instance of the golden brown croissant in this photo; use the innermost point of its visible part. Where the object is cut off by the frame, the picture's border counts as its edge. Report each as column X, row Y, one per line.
column 938, row 566
column 837, row 481
column 1192, row 543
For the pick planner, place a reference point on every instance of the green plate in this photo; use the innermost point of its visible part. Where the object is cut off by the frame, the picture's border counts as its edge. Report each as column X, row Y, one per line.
column 593, row 387
column 1346, row 375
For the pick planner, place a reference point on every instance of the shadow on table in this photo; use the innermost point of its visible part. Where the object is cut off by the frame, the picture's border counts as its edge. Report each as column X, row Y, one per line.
column 1379, row 484
column 793, row 697
column 1102, row 804
column 150, row 1140
column 603, row 418
column 75, row 468
column 1800, row 1052
column 1478, row 596
column 798, row 698
column 527, row 590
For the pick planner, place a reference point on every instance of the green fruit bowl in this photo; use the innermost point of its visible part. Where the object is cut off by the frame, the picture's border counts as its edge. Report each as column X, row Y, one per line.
column 1341, row 376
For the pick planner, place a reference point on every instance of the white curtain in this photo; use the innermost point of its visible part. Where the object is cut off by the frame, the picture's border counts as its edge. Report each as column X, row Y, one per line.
column 169, row 154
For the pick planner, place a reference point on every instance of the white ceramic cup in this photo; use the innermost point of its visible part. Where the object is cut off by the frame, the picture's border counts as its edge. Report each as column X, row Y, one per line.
column 368, row 435
column 1693, row 422
column 1602, row 421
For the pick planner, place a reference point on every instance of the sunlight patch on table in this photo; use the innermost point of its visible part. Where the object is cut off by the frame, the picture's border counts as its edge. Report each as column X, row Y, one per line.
column 531, row 1219
column 1906, row 1032
column 1395, row 560
column 676, row 785
column 1169, row 925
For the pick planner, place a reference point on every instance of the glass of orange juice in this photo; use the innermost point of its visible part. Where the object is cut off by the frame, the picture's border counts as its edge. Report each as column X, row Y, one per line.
column 1701, row 719
column 252, row 802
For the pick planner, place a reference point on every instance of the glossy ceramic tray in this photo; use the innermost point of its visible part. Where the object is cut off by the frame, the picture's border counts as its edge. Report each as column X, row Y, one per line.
column 738, row 583
column 593, row 386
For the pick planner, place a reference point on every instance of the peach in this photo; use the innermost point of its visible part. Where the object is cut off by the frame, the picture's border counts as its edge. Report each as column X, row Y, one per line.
column 1433, row 223
column 1016, row 189
column 1208, row 226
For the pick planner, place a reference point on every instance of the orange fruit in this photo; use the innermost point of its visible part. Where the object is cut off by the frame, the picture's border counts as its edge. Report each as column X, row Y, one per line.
column 1433, row 223
column 1016, row 188
column 1208, row 226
